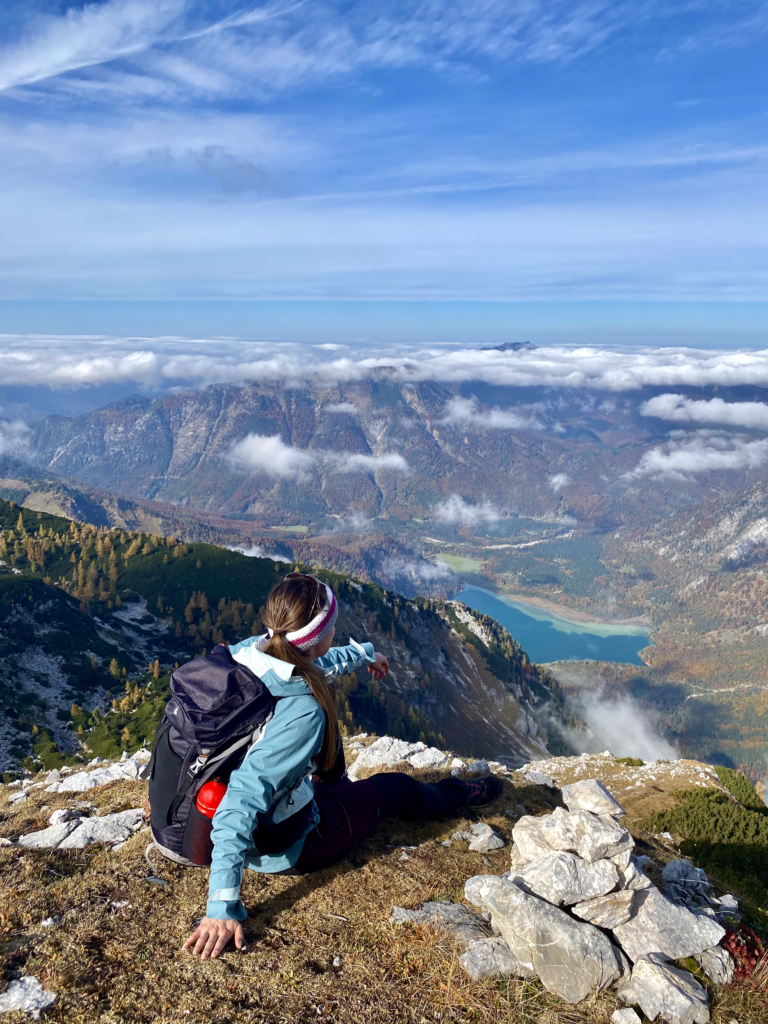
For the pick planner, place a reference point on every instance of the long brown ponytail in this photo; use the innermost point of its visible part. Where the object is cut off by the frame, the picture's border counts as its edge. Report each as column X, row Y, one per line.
column 290, row 606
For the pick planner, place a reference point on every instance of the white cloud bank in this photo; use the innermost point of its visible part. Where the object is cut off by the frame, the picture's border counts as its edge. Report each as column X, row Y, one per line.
column 272, row 456
column 464, row 412
column 72, row 362
column 701, row 452
column 680, row 409
column 456, row 510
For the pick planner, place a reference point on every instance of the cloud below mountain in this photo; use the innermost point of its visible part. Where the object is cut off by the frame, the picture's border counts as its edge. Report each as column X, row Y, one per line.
column 456, row 510
column 701, row 452
column 622, row 726
column 342, row 408
column 558, row 481
column 273, row 457
column 681, row 409
column 12, row 433
column 465, row 412
column 270, row 455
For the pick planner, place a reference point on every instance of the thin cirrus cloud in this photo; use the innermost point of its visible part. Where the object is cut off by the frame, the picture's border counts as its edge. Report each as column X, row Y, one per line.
column 465, row 412
column 126, row 172
column 456, row 509
column 271, row 456
column 287, row 44
column 680, row 409
column 702, row 452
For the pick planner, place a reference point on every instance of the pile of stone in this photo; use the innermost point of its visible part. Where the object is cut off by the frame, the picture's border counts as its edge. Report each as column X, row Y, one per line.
column 577, row 911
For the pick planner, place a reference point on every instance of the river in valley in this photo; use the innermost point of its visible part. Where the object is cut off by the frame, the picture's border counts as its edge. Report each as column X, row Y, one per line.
column 546, row 636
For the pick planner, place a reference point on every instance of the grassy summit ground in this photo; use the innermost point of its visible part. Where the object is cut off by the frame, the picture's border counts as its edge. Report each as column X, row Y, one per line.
column 319, row 947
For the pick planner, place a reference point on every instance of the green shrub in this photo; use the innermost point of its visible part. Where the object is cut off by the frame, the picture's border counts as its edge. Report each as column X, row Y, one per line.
column 726, row 839
column 738, row 785
column 631, row 762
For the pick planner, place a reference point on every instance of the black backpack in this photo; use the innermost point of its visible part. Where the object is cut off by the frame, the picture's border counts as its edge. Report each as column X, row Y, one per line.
column 217, row 711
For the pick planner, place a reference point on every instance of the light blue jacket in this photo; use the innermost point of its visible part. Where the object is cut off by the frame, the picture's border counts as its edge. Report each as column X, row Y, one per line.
column 275, row 775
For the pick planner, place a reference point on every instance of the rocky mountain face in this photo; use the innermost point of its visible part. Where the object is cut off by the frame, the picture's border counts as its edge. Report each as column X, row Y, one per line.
column 501, row 445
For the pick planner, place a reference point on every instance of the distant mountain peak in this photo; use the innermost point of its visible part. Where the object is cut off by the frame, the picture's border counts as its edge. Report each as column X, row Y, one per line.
column 509, row 346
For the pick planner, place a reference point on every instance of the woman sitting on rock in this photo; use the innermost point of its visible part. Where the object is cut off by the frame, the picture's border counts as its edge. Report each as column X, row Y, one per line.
column 311, row 826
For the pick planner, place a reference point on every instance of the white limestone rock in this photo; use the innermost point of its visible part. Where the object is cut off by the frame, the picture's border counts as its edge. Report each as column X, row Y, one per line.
column 564, row 878
column 81, row 782
column 111, row 828
column 571, row 958
column 142, row 756
column 607, row 911
column 18, row 798
column 626, row 1015
column 478, row 768
column 658, row 927
column 65, row 814
column 633, row 878
column 663, row 991
column 591, row 795
column 483, row 838
column 491, row 958
column 49, row 838
column 388, row 751
column 453, row 918
column 539, row 779
column 26, row 994
column 53, row 776
column 717, row 964
column 581, row 832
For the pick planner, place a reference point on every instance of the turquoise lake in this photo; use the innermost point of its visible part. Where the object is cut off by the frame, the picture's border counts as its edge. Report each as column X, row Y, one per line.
column 548, row 637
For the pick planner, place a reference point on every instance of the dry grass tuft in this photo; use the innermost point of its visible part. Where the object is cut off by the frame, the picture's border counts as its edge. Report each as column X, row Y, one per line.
column 118, row 964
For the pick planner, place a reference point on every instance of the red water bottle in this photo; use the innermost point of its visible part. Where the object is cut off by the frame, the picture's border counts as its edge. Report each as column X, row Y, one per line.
column 210, row 796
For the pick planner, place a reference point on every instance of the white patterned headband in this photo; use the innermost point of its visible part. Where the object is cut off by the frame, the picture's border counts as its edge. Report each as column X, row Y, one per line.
column 318, row 628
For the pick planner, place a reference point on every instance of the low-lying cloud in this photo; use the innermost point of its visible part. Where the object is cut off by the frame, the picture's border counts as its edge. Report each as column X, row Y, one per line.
column 621, row 725
column 273, row 457
column 680, row 409
column 418, row 570
column 702, row 452
column 270, row 455
column 342, row 408
column 258, row 551
column 344, row 463
column 12, row 435
column 160, row 363
column 465, row 412
column 558, row 481
column 456, row 510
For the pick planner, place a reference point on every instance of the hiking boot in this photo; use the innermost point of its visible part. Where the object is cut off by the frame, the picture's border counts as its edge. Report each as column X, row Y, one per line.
column 483, row 791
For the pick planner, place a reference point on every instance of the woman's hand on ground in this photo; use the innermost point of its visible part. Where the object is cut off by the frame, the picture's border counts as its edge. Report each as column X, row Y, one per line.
column 211, row 936
column 380, row 667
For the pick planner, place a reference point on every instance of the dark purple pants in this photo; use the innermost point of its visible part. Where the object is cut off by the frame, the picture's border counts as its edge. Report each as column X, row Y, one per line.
column 350, row 811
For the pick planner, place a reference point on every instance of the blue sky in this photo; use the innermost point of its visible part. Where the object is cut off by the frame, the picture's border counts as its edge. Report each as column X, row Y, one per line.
column 483, row 153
